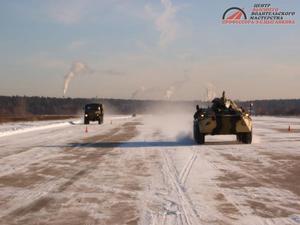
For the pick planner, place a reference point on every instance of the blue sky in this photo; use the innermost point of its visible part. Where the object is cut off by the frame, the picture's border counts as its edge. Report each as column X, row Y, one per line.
column 146, row 47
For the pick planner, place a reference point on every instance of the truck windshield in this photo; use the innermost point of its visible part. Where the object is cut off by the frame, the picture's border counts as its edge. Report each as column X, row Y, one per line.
column 92, row 107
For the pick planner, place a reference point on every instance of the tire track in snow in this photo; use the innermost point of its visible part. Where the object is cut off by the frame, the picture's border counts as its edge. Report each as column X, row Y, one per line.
column 187, row 213
column 187, row 168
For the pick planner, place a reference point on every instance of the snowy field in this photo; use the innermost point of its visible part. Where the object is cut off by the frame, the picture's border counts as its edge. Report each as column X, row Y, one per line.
column 147, row 170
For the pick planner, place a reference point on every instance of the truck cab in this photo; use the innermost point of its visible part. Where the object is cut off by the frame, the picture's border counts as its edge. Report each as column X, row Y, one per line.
column 93, row 112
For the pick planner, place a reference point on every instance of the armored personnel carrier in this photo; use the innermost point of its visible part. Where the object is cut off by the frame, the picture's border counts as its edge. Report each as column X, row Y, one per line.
column 93, row 112
column 224, row 117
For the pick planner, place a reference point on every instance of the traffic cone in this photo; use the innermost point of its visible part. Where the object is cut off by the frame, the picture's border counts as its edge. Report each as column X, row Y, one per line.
column 289, row 129
column 86, row 129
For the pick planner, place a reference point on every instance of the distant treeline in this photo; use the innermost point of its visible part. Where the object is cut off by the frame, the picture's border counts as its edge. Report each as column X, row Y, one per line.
column 23, row 105
column 284, row 107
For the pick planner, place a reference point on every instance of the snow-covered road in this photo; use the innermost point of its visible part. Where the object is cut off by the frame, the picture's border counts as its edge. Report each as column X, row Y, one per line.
column 147, row 170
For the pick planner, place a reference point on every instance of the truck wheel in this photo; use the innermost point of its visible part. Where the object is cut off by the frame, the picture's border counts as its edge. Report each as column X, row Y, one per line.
column 100, row 120
column 86, row 121
column 198, row 136
column 247, row 138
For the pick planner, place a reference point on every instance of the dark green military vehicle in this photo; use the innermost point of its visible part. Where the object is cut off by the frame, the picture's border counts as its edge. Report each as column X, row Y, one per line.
column 223, row 118
column 93, row 112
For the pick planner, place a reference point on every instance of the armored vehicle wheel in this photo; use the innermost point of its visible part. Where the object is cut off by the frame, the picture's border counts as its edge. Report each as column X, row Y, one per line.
column 198, row 136
column 86, row 121
column 239, row 137
column 246, row 138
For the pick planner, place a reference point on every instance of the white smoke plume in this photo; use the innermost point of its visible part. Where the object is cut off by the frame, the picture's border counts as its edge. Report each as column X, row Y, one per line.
column 77, row 68
column 169, row 92
column 210, row 92
column 146, row 92
column 138, row 92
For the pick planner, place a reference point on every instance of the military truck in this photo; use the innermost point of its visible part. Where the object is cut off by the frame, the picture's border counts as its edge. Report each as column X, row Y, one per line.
column 93, row 112
column 224, row 117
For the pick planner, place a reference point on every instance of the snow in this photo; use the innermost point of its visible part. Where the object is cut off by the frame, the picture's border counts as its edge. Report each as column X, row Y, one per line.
column 7, row 129
column 191, row 173
column 159, row 173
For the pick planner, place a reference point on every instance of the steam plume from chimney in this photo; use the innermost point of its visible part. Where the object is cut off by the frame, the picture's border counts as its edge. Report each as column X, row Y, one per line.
column 169, row 92
column 210, row 92
column 77, row 68
column 137, row 92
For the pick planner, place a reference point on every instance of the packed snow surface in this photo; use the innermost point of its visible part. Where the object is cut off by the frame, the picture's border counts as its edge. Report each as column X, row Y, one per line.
column 148, row 170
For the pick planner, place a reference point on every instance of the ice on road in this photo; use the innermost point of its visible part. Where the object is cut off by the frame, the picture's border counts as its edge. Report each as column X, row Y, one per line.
column 147, row 170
